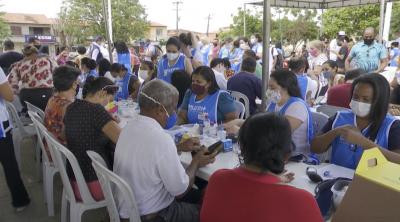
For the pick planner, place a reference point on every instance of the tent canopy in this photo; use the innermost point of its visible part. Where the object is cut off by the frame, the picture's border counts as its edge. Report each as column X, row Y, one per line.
column 318, row 4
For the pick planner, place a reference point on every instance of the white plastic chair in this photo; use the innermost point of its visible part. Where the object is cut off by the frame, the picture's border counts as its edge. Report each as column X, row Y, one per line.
column 240, row 109
column 60, row 154
column 107, row 178
column 20, row 132
column 48, row 167
column 330, row 110
column 35, row 109
column 243, row 99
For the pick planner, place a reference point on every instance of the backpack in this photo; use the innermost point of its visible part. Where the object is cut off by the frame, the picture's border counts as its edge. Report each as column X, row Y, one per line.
column 279, row 59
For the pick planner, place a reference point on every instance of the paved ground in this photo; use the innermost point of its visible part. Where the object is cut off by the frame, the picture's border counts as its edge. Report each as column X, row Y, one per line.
column 37, row 210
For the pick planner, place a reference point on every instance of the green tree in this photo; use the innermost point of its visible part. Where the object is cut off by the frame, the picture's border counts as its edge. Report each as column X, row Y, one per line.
column 81, row 19
column 253, row 24
column 353, row 20
column 4, row 28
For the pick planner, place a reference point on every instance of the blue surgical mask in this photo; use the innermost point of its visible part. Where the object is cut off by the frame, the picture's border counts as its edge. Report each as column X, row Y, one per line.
column 171, row 120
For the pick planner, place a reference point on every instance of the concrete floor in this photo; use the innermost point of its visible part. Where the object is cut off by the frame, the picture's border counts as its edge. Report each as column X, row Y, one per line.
column 37, row 210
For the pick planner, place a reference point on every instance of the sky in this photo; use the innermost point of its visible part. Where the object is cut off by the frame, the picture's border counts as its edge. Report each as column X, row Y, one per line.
column 193, row 13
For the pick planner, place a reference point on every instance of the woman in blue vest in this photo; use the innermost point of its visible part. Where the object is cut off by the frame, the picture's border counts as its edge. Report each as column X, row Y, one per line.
column 285, row 98
column 365, row 126
column 128, row 84
column 205, row 100
column 123, row 55
column 173, row 60
column 88, row 68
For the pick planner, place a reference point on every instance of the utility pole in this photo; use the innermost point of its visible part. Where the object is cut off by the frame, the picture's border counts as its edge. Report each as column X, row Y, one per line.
column 177, row 3
column 244, row 20
column 208, row 23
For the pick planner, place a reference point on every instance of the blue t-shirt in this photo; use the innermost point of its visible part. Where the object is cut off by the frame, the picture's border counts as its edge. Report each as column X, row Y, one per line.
column 368, row 57
column 248, row 84
column 225, row 104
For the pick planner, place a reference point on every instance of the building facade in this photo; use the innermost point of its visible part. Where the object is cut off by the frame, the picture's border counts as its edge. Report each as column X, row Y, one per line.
column 157, row 32
column 24, row 26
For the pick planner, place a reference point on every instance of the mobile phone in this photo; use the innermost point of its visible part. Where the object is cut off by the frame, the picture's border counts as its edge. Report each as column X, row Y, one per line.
column 216, row 147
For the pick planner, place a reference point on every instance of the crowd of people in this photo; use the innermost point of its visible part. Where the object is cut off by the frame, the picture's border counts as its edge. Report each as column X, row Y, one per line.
column 191, row 83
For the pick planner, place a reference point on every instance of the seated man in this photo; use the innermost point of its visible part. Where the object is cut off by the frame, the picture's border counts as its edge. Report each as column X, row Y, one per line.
column 340, row 95
column 151, row 164
column 218, row 67
column 247, row 83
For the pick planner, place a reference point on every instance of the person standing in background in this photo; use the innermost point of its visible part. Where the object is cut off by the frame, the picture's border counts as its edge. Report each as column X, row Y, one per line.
column 9, row 57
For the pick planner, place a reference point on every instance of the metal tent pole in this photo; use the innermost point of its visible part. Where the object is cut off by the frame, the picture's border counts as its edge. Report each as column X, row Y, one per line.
column 266, row 51
column 381, row 20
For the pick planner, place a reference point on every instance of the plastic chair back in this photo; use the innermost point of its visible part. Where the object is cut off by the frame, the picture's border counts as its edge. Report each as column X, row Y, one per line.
column 60, row 153
column 15, row 119
column 35, row 109
column 108, row 178
column 330, row 110
column 319, row 121
column 240, row 109
column 243, row 99
column 40, row 129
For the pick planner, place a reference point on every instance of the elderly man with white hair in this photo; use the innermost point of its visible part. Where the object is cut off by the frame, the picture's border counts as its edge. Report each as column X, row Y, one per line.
column 146, row 157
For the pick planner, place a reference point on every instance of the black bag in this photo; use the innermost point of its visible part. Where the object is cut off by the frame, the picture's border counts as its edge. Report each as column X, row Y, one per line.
column 323, row 194
column 279, row 59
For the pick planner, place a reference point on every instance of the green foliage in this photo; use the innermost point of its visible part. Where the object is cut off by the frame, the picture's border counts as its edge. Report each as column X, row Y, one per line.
column 81, row 19
column 302, row 27
column 4, row 28
column 353, row 20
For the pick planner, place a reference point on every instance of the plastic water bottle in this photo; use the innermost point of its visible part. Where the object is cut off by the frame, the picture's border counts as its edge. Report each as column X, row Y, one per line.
column 207, row 125
column 221, row 133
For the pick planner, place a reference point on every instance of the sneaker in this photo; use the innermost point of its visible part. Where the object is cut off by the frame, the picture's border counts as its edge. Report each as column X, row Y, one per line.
column 22, row 208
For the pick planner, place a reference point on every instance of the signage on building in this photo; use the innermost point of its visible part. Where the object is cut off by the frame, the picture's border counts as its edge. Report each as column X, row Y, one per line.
column 42, row 38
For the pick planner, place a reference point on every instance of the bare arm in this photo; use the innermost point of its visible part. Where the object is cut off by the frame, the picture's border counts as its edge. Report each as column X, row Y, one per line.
column 382, row 66
column 6, row 92
column 182, row 117
column 322, row 142
column 347, row 62
column 188, row 66
column 112, row 131
column 230, row 116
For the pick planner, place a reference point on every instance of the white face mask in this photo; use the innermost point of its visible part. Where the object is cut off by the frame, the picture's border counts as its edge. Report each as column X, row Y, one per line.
column 172, row 56
column 143, row 74
column 274, row 96
column 359, row 108
column 253, row 40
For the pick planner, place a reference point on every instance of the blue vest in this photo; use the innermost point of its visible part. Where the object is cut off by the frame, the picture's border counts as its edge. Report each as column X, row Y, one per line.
column 236, row 53
column 224, row 53
column 165, row 71
column 348, row 155
column 125, row 59
column 208, row 105
column 123, row 88
column 310, row 133
column 205, row 51
column 393, row 61
column 303, row 83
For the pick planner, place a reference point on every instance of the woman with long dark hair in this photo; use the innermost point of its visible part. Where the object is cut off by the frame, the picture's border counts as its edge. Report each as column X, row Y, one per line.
column 123, row 55
column 286, row 99
column 365, row 126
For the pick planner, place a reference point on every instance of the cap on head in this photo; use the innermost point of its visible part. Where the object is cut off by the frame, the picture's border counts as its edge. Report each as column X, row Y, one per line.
column 341, row 33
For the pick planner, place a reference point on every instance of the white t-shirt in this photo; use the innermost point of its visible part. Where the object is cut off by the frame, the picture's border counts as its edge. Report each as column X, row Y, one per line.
column 333, row 47
column 312, row 85
column 272, row 52
column 3, row 109
column 221, row 81
column 300, row 135
column 317, row 61
column 109, row 76
column 146, row 158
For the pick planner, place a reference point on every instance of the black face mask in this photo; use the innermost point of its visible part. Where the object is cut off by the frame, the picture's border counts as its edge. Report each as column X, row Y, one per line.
column 368, row 41
column 215, row 44
column 37, row 47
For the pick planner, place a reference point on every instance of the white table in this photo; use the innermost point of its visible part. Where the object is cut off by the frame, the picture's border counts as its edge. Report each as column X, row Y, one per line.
column 230, row 160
